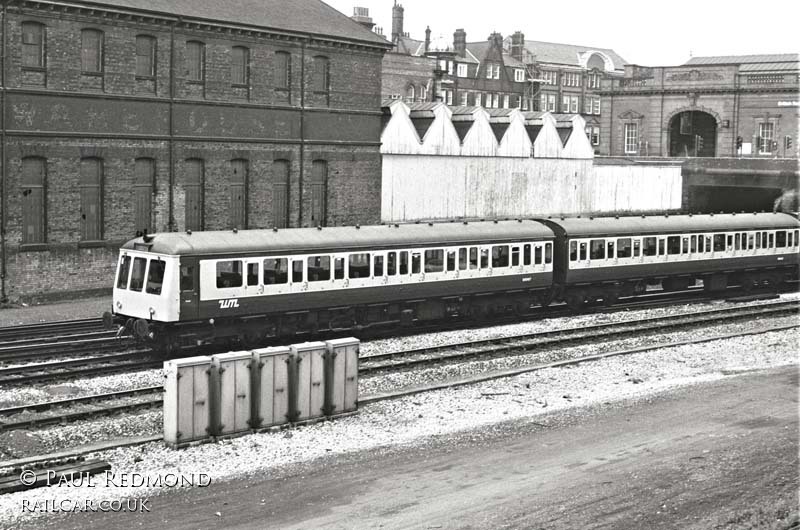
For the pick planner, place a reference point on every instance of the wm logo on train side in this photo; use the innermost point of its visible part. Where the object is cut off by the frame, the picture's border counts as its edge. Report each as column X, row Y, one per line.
column 227, row 304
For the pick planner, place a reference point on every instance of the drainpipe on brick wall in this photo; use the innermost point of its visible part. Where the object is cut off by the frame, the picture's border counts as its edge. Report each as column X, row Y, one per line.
column 3, row 161
column 171, row 141
column 302, row 132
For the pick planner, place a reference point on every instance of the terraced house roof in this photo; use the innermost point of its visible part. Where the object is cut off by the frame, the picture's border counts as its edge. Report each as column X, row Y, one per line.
column 295, row 16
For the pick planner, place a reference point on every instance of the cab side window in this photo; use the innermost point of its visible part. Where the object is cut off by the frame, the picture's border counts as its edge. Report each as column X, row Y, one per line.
column 124, row 270
column 187, row 278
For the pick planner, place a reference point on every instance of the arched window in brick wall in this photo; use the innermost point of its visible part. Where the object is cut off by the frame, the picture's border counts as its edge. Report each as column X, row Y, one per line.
column 34, row 214
column 193, row 194
column 280, row 193
column 92, row 51
column 144, row 179
column 33, row 51
column 319, row 192
column 240, row 66
column 238, row 190
column 91, row 185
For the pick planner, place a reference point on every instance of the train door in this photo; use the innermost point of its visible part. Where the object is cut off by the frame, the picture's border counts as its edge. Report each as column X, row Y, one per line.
column 253, row 285
column 189, row 288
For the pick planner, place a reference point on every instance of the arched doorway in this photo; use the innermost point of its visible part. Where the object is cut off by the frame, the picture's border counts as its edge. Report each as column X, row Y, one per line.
column 693, row 133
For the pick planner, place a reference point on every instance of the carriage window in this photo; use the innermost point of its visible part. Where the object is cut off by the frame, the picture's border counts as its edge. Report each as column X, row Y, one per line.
column 187, row 278
column 403, row 262
column 229, row 274
column 780, row 238
column 650, row 246
column 750, row 241
column 484, row 258
column 526, row 255
column 391, row 263
column 137, row 274
column 738, row 241
column 338, row 268
column 582, row 251
column 789, row 242
column 610, row 249
column 538, row 255
column 358, row 265
column 708, row 244
column 771, row 240
column 319, row 268
column 462, row 259
column 597, row 249
column 624, row 248
column 699, row 243
column 685, row 245
column 637, row 248
column 451, row 259
column 661, row 246
column 416, row 262
column 155, row 276
column 473, row 258
column 693, row 247
column 124, row 270
column 719, row 242
column 252, row 274
column 758, row 239
column 514, row 256
column 377, row 269
column 500, row 256
column 276, row 270
column 764, row 242
column 729, row 240
column 673, row 245
column 796, row 238
column 434, row 260
column 573, row 250
column 297, row 271
column 548, row 253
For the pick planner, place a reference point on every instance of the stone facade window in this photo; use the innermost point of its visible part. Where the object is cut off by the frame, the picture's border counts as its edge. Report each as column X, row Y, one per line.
column 631, row 138
column 33, row 53
column 766, row 133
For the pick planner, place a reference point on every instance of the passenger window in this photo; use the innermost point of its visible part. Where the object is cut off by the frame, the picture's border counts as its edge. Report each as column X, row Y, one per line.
column 276, row 271
column 538, row 255
column 789, row 239
column 391, row 263
column 650, row 246
column 500, row 256
column 484, row 258
column 796, row 238
column 771, row 240
column 187, row 278
column 404, row 262
column 229, row 274
column 610, row 249
column 737, row 241
column 624, row 248
column 693, row 247
column 700, row 240
column 708, row 243
column 526, row 255
column 416, row 262
column 515, row 256
column 434, row 260
column 124, row 270
column 582, row 251
column 155, row 276
column 252, row 274
column 451, row 259
column 548, row 253
column 685, row 247
column 573, row 251
column 764, row 243
column 319, row 268
column 338, row 268
column 750, row 241
column 297, row 271
column 661, row 247
column 462, row 259
column 758, row 239
column 780, row 239
column 137, row 274
column 729, row 245
column 597, row 249
column 637, row 248
column 358, row 265
column 377, row 266
column 473, row 258
column 673, row 245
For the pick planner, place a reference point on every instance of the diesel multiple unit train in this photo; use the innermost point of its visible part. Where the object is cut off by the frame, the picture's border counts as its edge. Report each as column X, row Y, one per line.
column 179, row 289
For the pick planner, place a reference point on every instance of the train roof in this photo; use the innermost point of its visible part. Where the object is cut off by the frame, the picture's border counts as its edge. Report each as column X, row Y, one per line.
column 663, row 224
column 297, row 240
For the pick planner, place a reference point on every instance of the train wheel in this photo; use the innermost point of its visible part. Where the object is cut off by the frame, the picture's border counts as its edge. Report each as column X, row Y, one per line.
column 575, row 301
column 610, row 297
column 546, row 299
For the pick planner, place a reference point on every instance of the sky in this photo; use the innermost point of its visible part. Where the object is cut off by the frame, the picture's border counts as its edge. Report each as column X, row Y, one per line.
column 660, row 33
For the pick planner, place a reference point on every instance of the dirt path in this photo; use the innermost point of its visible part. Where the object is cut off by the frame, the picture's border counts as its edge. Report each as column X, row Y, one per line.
column 693, row 459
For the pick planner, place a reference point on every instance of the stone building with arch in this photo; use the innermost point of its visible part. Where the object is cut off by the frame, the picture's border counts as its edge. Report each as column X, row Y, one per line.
column 725, row 106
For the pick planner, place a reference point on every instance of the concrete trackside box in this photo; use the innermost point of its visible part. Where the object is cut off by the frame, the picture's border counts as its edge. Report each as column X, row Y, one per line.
column 342, row 378
column 186, row 400
column 307, row 378
column 232, row 392
column 271, row 386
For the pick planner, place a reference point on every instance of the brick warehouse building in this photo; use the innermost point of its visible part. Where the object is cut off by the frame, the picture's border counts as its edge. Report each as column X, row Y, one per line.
column 151, row 115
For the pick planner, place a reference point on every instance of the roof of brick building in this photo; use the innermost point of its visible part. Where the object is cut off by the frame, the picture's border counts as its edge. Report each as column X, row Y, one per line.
column 569, row 54
column 744, row 59
column 298, row 16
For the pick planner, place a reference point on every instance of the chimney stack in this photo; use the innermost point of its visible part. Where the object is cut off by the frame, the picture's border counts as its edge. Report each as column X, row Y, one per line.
column 460, row 42
column 361, row 15
column 397, row 22
column 517, row 45
column 427, row 39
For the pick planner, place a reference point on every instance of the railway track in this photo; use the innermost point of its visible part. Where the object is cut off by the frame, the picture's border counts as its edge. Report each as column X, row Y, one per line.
column 84, row 367
column 403, row 360
column 50, row 329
